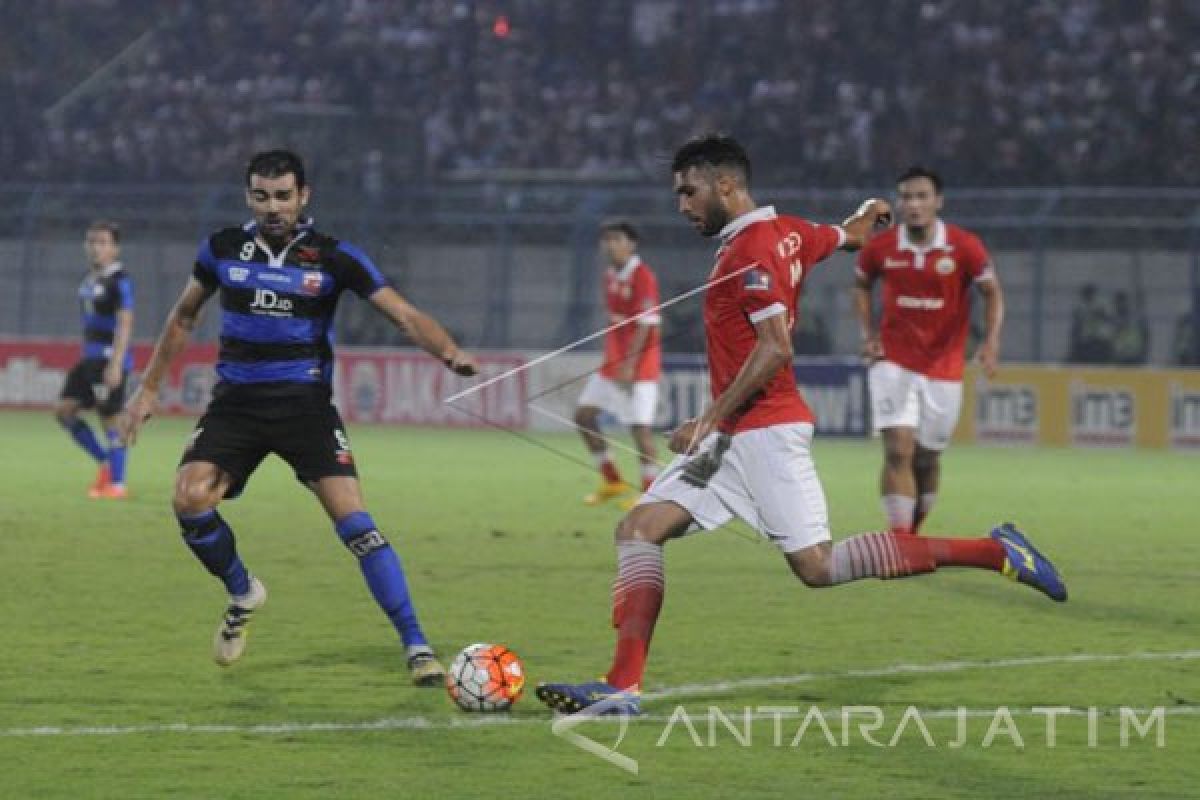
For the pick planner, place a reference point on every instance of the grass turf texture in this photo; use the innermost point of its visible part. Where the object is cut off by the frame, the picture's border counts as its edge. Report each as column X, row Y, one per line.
column 108, row 622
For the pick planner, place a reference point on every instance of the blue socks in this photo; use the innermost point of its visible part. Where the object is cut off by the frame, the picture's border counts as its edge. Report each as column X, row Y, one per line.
column 82, row 433
column 382, row 571
column 211, row 540
column 116, row 457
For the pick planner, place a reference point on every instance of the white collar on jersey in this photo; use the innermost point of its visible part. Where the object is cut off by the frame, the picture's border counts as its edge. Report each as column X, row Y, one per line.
column 738, row 225
column 303, row 227
column 937, row 242
column 111, row 269
column 626, row 271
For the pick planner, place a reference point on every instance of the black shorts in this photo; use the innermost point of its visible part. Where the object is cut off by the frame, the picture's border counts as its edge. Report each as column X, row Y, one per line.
column 314, row 444
column 85, row 385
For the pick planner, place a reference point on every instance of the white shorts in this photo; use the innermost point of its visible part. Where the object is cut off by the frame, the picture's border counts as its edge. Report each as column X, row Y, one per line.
column 901, row 398
column 766, row 477
column 634, row 406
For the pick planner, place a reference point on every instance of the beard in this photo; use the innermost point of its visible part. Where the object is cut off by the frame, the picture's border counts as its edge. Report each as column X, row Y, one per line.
column 714, row 220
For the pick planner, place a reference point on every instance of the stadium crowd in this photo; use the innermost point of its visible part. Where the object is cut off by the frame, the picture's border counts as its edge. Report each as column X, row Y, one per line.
column 1043, row 92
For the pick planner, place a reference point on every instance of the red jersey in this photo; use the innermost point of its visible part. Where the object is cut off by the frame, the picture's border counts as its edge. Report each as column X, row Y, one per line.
column 629, row 291
column 761, row 266
column 926, row 296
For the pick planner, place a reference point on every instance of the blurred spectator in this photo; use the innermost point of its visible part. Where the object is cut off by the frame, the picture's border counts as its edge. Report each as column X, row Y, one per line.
column 1041, row 92
column 1130, row 331
column 1186, row 341
column 811, row 337
column 1091, row 329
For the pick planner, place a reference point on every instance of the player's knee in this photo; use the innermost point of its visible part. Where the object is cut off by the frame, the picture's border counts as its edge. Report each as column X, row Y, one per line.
column 926, row 460
column 898, row 455
column 639, row 525
column 65, row 415
column 193, row 496
column 585, row 417
column 644, row 436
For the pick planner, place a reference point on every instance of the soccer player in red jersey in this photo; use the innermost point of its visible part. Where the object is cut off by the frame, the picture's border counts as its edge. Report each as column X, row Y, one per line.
column 928, row 268
column 627, row 384
column 748, row 454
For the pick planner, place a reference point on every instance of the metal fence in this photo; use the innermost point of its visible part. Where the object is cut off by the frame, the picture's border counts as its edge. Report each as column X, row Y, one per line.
column 514, row 263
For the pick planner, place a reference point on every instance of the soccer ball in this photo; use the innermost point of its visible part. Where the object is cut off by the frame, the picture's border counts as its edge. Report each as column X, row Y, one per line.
column 485, row 677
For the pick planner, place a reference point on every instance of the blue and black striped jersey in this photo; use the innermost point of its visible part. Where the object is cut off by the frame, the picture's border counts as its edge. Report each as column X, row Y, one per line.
column 101, row 295
column 277, row 312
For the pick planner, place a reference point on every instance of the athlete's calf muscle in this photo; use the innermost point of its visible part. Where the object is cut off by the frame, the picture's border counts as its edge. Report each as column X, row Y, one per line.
column 811, row 565
column 339, row 495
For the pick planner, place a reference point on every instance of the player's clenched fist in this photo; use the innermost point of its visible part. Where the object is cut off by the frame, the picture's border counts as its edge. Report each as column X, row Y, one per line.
column 872, row 349
column 881, row 211
column 688, row 436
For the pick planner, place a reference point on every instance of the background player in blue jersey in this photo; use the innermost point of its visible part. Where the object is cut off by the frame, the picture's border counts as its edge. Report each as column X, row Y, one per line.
column 98, row 380
column 279, row 280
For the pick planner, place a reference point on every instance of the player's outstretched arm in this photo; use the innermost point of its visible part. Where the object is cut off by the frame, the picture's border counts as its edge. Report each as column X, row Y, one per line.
column 859, row 225
column 425, row 331
column 771, row 353
column 174, row 337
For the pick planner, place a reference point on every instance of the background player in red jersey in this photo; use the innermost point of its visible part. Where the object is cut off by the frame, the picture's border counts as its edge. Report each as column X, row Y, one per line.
column 747, row 455
column 928, row 268
column 627, row 384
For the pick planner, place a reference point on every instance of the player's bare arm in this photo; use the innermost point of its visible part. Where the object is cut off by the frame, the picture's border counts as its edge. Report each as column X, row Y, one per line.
column 174, row 337
column 120, row 346
column 426, row 332
column 872, row 348
column 860, row 225
column 988, row 354
column 772, row 352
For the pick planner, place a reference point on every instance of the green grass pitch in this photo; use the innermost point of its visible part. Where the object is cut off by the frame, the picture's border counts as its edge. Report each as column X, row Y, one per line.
column 106, row 682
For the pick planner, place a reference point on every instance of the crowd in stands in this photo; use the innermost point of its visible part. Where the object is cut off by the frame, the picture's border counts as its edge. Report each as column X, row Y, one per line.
column 1115, row 330
column 826, row 92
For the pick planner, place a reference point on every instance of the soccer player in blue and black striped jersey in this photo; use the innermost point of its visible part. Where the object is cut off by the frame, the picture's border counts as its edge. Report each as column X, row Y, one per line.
column 98, row 380
column 279, row 280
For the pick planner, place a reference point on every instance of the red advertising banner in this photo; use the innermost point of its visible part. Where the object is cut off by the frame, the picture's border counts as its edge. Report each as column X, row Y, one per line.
column 32, row 372
column 408, row 388
column 389, row 386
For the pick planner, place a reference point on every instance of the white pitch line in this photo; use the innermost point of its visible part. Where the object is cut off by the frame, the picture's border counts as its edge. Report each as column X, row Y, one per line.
column 568, row 347
column 687, row 690
column 451, row 723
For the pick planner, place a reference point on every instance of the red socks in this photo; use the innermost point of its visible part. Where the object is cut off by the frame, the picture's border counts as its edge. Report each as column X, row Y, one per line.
column 637, row 600
column 609, row 470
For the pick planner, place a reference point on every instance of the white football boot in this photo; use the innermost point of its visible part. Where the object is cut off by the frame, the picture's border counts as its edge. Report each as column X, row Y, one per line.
column 230, row 641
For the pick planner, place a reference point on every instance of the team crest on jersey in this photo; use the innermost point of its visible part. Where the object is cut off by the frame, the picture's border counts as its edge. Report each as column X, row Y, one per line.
column 308, row 255
column 311, row 283
column 757, row 280
column 945, row 265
